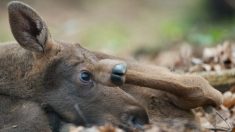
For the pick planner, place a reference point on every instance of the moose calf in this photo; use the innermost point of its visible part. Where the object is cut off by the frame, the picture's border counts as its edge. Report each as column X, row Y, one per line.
column 44, row 82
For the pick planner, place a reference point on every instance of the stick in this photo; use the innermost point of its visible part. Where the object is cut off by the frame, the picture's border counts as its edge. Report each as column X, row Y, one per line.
column 222, row 80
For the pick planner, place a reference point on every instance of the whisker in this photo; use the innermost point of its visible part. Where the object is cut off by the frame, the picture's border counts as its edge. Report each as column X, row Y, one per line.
column 80, row 113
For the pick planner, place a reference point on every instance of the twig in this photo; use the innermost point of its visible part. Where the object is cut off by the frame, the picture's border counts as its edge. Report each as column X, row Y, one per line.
column 221, row 80
column 211, row 109
column 225, row 120
column 220, row 129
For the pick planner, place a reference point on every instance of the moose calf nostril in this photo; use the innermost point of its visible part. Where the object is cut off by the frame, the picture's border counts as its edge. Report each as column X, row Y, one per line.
column 119, row 69
column 137, row 117
column 227, row 61
column 137, row 121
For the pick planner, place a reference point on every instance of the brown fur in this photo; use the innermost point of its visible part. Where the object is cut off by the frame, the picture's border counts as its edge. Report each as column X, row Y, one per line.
column 40, row 76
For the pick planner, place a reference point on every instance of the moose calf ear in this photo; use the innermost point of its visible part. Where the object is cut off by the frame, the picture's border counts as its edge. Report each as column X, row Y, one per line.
column 28, row 28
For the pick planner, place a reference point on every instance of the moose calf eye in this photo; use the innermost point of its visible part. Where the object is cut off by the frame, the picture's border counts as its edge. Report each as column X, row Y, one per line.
column 85, row 76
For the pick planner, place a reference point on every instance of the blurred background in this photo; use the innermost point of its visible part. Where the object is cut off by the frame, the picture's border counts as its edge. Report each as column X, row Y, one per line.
column 133, row 27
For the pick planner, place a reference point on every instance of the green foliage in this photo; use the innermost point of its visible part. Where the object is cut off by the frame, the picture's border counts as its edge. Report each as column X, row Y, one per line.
column 173, row 30
column 196, row 27
column 211, row 34
column 112, row 35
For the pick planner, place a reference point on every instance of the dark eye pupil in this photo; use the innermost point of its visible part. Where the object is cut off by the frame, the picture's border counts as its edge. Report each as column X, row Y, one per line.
column 85, row 76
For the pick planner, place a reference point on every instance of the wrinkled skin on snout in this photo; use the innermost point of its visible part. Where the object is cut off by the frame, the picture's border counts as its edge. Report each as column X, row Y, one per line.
column 57, row 77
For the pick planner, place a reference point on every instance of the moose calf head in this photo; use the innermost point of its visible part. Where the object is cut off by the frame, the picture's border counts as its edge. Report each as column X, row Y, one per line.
column 62, row 76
